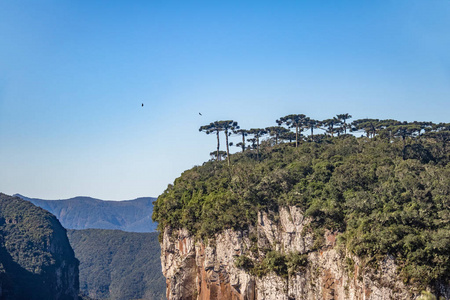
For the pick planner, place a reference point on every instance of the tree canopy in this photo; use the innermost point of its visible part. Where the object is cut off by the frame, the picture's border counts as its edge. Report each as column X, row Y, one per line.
column 297, row 121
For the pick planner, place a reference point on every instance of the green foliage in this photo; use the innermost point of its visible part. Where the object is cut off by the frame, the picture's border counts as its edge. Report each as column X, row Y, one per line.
column 350, row 265
column 36, row 260
column 244, row 262
column 118, row 265
column 382, row 198
column 274, row 261
column 424, row 295
column 296, row 262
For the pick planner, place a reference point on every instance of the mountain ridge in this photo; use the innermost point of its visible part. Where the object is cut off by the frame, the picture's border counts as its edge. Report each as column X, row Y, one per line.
column 36, row 259
column 79, row 198
column 84, row 212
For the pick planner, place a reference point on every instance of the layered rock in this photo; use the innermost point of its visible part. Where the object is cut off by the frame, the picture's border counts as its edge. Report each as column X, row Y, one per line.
column 207, row 270
column 36, row 260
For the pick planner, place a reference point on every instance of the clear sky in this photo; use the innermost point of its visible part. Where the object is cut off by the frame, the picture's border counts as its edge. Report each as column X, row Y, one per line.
column 73, row 75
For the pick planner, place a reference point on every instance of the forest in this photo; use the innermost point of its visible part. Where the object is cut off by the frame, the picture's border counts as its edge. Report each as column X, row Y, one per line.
column 116, row 265
column 382, row 185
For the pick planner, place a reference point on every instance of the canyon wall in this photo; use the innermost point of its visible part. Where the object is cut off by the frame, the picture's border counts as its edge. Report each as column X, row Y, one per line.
column 207, row 269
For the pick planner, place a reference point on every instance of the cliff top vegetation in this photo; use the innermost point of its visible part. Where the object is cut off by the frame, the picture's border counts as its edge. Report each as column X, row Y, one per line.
column 385, row 193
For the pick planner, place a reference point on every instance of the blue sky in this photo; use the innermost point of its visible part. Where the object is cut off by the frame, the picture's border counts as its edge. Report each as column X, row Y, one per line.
column 73, row 75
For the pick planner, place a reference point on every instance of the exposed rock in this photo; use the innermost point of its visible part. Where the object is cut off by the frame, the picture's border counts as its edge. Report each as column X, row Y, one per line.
column 197, row 270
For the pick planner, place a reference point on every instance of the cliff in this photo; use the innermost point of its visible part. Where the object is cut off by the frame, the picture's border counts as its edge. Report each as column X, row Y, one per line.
column 340, row 218
column 198, row 270
column 36, row 260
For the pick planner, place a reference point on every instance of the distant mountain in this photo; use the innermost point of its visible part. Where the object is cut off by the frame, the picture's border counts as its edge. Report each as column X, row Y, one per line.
column 36, row 259
column 118, row 265
column 85, row 212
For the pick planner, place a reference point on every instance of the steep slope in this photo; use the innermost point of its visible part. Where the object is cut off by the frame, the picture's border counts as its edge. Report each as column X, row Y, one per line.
column 290, row 269
column 86, row 212
column 338, row 218
column 118, row 265
column 36, row 259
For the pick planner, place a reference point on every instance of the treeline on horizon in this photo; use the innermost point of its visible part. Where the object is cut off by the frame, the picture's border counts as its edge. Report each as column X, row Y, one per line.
column 336, row 126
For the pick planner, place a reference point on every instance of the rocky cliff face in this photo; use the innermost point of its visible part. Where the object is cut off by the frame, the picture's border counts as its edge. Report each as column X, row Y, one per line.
column 199, row 270
column 36, row 260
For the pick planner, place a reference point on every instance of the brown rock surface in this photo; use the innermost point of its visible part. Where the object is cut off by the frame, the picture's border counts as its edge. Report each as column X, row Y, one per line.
column 195, row 270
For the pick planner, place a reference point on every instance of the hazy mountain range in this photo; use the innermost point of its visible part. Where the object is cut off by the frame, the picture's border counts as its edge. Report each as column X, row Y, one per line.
column 114, row 264
column 85, row 212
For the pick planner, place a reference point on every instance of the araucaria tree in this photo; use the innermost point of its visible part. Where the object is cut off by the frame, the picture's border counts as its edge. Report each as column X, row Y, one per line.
column 329, row 125
column 213, row 128
column 228, row 127
column 277, row 132
column 343, row 118
column 257, row 133
column 294, row 121
column 243, row 133
column 222, row 154
column 288, row 136
column 311, row 124
column 369, row 126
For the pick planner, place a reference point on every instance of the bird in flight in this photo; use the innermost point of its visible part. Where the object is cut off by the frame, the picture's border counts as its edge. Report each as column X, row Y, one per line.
column 142, row 104
column 200, row 114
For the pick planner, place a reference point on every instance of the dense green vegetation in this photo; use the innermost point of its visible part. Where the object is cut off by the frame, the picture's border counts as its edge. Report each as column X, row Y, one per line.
column 274, row 261
column 36, row 260
column 118, row 265
column 85, row 212
column 387, row 194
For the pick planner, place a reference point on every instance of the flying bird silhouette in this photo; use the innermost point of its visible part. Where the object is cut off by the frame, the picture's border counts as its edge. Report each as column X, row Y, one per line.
column 200, row 114
column 142, row 104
